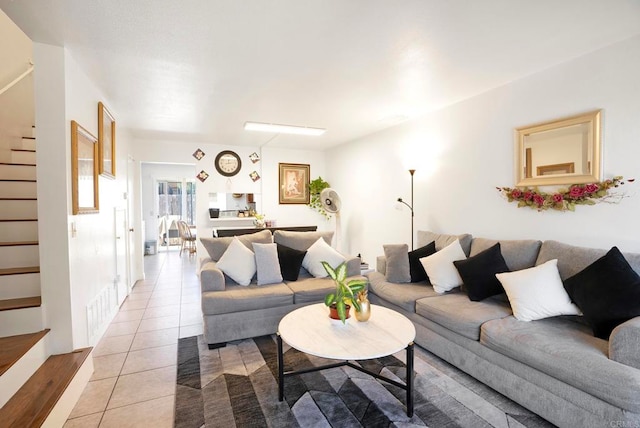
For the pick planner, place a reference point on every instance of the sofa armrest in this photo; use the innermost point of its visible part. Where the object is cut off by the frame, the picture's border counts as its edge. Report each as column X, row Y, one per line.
column 211, row 278
column 624, row 343
column 381, row 264
column 353, row 266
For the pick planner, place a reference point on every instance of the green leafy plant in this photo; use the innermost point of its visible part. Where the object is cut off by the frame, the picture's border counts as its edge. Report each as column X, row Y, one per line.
column 346, row 292
column 315, row 188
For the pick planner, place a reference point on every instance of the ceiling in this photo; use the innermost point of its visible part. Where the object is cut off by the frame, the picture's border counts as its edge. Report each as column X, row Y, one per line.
column 196, row 70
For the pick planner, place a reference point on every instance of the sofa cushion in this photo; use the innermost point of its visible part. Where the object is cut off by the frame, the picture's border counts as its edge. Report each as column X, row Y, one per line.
column 217, row 246
column 442, row 240
column 457, row 313
column 290, row 261
column 624, row 346
column 402, row 295
column 320, row 252
column 572, row 259
column 311, row 290
column 300, row 240
column 238, row 298
column 537, row 292
column 607, row 292
column 267, row 263
column 416, row 270
column 440, row 269
column 567, row 351
column 397, row 269
column 238, row 262
column 478, row 273
column 518, row 254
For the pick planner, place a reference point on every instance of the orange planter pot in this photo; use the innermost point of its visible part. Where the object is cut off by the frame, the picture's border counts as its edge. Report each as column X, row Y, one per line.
column 333, row 312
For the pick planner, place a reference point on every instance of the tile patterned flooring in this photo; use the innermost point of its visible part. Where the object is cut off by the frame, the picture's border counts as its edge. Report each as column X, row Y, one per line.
column 134, row 378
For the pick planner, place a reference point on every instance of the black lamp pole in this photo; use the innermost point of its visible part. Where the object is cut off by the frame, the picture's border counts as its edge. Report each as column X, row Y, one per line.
column 411, row 171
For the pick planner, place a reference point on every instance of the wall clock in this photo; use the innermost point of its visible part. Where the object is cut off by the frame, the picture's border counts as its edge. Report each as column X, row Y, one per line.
column 228, row 163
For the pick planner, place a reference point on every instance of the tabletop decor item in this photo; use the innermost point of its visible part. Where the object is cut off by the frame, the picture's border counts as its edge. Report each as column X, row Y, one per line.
column 364, row 313
column 565, row 199
column 259, row 220
column 345, row 293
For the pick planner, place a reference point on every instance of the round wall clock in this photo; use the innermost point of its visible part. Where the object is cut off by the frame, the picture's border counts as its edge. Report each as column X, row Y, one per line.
column 228, row 163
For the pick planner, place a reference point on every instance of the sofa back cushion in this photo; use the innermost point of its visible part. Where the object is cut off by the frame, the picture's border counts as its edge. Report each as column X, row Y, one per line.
column 217, row 246
column 519, row 254
column 573, row 259
column 300, row 241
column 442, row 240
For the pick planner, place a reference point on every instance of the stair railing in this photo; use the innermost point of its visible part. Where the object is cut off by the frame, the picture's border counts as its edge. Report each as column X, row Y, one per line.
column 17, row 79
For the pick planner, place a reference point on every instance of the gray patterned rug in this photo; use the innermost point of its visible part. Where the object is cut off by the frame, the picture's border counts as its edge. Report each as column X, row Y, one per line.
column 236, row 386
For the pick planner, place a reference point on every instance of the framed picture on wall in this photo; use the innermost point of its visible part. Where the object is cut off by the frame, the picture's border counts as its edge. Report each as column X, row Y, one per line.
column 84, row 170
column 106, row 141
column 293, row 183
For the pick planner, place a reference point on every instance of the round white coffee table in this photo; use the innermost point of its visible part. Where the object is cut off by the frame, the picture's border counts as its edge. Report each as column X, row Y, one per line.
column 310, row 330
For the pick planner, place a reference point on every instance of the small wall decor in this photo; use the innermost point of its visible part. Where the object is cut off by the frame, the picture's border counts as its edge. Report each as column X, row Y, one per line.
column 202, row 176
column 565, row 199
column 254, row 176
column 106, row 141
column 293, row 183
column 198, row 154
column 84, row 170
column 254, row 157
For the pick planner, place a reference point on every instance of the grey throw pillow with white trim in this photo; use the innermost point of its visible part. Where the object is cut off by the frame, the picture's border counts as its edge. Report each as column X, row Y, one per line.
column 397, row 256
column 267, row 263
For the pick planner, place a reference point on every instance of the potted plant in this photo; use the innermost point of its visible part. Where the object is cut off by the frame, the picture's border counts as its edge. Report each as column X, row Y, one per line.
column 345, row 294
column 315, row 188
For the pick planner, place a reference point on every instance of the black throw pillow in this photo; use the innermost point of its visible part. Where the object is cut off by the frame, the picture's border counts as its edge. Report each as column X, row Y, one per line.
column 290, row 262
column 607, row 292
column 479, row 273
column 416, row 270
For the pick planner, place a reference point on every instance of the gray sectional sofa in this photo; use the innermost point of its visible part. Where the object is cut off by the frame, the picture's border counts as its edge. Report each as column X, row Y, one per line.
column 555, row 367
column 232, row 312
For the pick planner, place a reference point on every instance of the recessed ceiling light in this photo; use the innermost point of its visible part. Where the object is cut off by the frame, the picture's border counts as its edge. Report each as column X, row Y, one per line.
column 283, row 129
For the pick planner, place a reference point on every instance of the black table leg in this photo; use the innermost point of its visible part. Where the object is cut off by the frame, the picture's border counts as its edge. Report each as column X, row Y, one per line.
column 280, row 369
column 410, row 376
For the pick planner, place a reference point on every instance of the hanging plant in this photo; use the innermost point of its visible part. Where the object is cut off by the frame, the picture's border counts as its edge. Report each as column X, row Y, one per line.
column 565, row 199
column 315, row 188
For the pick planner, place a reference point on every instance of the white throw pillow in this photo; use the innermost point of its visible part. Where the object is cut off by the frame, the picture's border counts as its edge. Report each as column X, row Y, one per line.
column 238, row 262
column 319, row 252
column 440, row 269
column 537, row 292
column 267, row 263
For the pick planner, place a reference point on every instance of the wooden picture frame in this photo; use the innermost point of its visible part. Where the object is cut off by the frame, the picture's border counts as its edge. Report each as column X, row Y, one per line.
column 106, row 141
column 293, row 183
column 84, row 170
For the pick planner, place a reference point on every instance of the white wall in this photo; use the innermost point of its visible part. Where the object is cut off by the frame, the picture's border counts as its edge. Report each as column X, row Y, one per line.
column 74, row 269
column 463, row 152
column 265, row 189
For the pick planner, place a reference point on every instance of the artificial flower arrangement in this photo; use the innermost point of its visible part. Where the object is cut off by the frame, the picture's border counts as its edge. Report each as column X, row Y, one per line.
column 565, row 199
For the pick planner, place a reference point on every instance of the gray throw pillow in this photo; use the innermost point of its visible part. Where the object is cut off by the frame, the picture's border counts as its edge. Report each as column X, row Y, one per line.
column 267, row 263
column 217, row 246
column 397, row 256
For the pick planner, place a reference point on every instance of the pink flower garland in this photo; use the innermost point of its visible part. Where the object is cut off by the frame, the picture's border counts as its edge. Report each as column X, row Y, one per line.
column 563, row 199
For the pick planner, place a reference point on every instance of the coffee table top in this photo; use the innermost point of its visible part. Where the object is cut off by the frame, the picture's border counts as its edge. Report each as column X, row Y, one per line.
column 310, row 330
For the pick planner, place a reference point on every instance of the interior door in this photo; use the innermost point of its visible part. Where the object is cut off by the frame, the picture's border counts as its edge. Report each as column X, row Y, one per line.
column 122, row 274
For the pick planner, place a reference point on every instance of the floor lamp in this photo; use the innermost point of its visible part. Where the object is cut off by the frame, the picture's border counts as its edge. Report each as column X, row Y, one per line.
column 411, row 171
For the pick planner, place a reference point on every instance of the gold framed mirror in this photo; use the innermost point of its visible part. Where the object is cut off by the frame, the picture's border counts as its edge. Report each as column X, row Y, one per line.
column 564, row 151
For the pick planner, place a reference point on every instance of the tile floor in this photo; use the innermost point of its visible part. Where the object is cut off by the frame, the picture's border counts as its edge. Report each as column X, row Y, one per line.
column 133, row 383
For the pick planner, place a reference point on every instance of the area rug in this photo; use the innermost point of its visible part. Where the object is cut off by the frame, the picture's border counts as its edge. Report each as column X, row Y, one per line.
column 236, row 386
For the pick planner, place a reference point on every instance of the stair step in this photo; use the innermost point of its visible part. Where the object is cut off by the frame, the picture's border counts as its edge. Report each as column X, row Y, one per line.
column 18, row 188
column 20, row 270
column 19, row 231
column 17, row 286
column 22, row 303
column 33, row 403
column 15, row 171
column 14, row 347
column 23, row 150
column 22, row 255
column 13, row 208
column 17, row 243
column 23, row 156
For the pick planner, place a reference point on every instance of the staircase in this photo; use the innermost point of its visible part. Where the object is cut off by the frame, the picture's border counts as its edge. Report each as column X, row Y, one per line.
column 36, row 388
